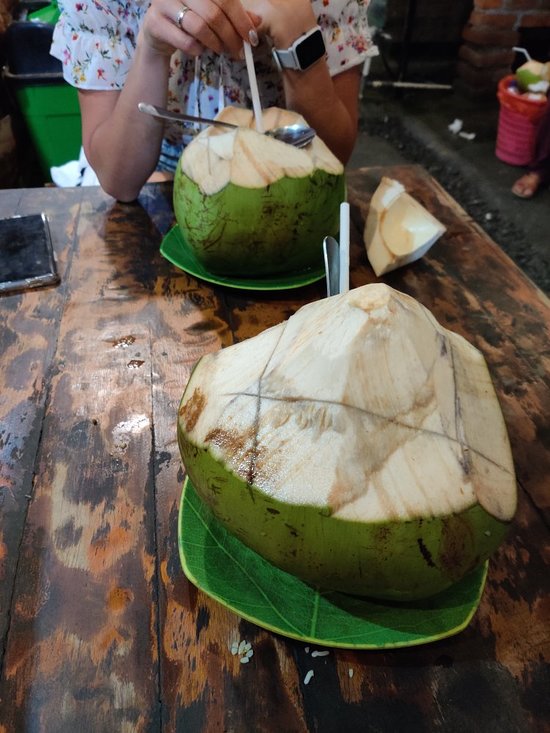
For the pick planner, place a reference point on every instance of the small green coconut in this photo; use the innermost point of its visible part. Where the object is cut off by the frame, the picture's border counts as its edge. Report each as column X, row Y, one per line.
column 358, row 445
column 250, row 205
column 533, row 76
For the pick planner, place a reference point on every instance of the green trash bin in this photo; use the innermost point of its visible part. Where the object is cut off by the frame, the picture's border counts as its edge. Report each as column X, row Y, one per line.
column 46, row 102
column 47, row 14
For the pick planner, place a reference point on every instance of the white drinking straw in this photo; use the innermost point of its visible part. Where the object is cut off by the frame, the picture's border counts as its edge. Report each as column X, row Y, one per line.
column 256, row 106
column 344, row 247
column 524, row 51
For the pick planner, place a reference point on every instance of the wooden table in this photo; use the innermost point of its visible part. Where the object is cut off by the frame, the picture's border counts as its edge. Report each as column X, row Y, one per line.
column 99, row 629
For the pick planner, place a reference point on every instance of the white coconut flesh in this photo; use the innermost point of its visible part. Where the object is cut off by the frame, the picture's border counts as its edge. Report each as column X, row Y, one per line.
column 398, row 229
column 248, row 159
column 359, row 420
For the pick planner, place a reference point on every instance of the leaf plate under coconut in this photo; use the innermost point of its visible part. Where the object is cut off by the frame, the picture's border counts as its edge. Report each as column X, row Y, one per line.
column 241, row 580
column 176, row 250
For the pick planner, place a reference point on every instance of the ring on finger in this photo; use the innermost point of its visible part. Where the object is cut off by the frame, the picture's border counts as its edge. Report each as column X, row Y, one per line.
column 180, row 16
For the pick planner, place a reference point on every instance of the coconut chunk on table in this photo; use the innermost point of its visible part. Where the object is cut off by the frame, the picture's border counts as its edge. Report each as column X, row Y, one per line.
column 398, row 229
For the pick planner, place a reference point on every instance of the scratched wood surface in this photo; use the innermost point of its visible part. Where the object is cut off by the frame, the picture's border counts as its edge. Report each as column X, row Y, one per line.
column 99, row 629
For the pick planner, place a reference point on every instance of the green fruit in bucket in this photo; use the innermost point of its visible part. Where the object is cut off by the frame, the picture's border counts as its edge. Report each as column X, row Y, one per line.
column 359, row 446
column 249, row 205
column 532, row 73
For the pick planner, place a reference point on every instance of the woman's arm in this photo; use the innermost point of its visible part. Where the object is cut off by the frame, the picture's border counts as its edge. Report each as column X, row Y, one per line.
column 122, row 144
column 329, row 104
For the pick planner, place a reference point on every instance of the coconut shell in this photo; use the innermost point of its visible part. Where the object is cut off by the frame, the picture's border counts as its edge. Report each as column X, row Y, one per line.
column 250, row 205
column 358, row 445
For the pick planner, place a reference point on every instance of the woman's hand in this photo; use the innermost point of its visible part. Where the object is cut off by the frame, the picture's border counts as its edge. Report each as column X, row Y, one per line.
column 195, row 25
column 283, row 20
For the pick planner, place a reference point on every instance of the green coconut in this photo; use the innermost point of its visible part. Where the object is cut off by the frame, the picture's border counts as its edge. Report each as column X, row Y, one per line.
column 532, row 74
column 359, row 445
column 250, row 205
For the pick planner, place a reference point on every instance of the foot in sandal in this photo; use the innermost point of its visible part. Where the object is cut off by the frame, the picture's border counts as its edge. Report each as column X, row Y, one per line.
column 527, row 186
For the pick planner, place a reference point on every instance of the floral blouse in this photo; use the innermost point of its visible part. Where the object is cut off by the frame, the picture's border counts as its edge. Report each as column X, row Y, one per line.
column 95, row 40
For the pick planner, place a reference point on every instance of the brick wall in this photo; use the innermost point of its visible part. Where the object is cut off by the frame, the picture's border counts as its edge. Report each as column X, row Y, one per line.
column 435, row 21
column 493, row 28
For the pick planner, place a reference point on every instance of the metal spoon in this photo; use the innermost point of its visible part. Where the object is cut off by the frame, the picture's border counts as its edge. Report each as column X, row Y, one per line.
column 331, row 251
column 297, row 134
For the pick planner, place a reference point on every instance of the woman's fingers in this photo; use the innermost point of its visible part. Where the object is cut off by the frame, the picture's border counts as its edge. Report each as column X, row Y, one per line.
column 227, row 20
column 164, row 29
column 198, row 30
column 193, row 25
column 282, row 20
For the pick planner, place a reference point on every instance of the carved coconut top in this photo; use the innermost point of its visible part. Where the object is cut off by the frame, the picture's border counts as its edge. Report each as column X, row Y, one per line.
column 250, row 159
column 361, row 404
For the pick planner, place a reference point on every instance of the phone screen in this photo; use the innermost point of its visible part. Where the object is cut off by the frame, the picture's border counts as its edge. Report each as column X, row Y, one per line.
column 26, row 253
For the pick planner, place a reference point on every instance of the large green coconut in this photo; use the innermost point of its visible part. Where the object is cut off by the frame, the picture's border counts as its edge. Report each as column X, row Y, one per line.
column 358, row 445
column 250, row 205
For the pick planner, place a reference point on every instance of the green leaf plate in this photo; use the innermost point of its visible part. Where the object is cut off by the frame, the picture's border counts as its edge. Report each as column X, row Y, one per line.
column 238, row 578
column 174, row 248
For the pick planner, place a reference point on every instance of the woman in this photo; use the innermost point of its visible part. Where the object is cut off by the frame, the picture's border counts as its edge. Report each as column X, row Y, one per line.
column 189, row 57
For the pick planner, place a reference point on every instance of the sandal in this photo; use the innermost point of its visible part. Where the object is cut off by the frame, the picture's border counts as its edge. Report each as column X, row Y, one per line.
column 526, row 186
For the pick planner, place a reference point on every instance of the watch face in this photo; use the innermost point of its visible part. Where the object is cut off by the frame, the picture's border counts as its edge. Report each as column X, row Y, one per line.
column 311, row 49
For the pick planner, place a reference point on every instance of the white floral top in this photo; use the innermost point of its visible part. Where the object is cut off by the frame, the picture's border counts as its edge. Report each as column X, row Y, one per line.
column 95, row 40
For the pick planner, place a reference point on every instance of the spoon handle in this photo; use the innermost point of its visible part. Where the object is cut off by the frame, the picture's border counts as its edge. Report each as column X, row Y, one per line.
column 332, row 265
column 165, row 114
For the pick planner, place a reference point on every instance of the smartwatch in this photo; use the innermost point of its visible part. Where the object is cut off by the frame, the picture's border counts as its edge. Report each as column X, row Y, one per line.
column 304, row 52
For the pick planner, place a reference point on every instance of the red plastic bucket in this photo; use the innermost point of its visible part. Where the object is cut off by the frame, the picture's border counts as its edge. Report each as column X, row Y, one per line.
column 518, row 121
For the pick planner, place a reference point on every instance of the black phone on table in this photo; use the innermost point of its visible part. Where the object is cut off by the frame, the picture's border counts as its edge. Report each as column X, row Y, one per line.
column 26, row 254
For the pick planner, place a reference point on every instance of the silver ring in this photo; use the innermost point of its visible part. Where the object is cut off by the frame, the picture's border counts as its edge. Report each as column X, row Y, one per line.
column 181, row 15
